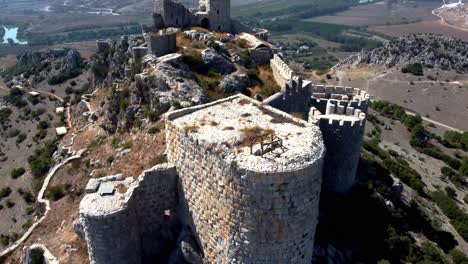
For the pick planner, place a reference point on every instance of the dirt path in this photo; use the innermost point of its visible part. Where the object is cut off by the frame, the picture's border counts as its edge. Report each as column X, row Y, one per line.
column 442, row 19
column 68, row 107
column 41, row 199
column 408, row 112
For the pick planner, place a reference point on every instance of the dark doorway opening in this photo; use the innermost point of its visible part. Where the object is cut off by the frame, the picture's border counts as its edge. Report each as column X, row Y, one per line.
column 205, row 23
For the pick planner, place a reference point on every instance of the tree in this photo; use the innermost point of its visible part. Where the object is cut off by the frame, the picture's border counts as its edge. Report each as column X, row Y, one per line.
column 450, row 192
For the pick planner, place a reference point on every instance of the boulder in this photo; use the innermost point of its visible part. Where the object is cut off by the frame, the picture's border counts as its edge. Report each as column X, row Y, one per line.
column 235, row 83
column 217, row 62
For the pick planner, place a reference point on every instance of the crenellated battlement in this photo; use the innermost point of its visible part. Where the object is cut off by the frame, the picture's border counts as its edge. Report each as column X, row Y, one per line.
column 338, row 114
column 354, row 96
column 282, row 73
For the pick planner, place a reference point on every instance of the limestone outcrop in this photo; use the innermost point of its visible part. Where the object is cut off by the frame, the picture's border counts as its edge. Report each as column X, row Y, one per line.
column 430, row 50
column 216, row 61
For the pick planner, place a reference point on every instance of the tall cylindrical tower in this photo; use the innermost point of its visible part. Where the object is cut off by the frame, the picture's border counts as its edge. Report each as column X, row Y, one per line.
column 343, row 130
column 250, row 180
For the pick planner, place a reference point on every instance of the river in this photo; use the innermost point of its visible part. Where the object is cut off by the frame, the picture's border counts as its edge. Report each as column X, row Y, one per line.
column 12, row 33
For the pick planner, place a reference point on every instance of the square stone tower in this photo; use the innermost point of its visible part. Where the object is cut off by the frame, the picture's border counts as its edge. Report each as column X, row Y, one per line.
column 218, row 15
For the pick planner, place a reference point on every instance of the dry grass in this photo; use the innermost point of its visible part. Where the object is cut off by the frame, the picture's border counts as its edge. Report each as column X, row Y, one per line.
column 249, row 134
column 191, row 129
column 210, row 82
column 268, row 85
column 244, row 101
column 121, row 188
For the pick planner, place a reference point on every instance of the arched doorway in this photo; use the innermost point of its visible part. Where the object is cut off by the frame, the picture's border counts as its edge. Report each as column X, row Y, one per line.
column 205, row 23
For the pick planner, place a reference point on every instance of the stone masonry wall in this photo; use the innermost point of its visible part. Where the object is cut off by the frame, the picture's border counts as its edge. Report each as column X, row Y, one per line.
column 343, row 140
column 349, row 97
column 119, row 236
column 161, row 43
column 281, row 71
column 243, row 216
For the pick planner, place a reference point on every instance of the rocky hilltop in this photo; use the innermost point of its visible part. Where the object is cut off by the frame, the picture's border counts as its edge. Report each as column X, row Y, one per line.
column 429, row 50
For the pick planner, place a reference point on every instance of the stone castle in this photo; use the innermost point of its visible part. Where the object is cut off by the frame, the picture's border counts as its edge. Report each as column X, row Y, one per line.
column 243, row 178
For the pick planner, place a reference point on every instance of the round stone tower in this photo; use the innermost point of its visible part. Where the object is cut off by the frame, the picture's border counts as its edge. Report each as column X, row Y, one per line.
column 342, row 129
column 250, row 180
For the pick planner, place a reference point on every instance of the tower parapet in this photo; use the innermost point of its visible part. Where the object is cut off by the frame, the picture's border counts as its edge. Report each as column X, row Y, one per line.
column 347, row 96
column 247, row 207
column 343, row 130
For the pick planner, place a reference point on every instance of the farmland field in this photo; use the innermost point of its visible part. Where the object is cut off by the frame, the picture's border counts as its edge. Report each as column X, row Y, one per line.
column 380, row 14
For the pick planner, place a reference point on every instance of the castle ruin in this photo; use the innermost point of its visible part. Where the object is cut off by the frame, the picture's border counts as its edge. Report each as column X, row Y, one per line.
column 214, row 15
column 243, row 178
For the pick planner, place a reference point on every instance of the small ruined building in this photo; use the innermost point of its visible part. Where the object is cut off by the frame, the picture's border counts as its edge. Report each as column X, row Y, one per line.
column 214, row 15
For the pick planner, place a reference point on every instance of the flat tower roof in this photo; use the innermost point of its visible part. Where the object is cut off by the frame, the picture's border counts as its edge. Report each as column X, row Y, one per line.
column 237, row 123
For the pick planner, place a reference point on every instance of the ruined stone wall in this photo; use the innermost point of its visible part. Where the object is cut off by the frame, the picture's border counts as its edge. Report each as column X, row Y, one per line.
column 243, row 216
column 219, row 14
column 343, row 130
column 161, row 43
column 281, row 71
column 173, row 14
column 116, row 232
column 295, row 95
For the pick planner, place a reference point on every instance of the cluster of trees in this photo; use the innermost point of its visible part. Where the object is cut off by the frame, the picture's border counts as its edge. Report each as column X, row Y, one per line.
column 397, row 166
column 30, row 69
column 63, row 76
column 15, row 97
column 415, row 69
column 457, row 139
column 458, row 218
column 41, row 161
column 419, row 135
column 35, row 39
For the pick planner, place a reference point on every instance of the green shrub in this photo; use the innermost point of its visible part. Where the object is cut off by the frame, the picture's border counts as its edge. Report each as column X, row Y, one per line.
column 56, row 193
column 9, row 203
column 450, row 192
column 457, row 139
column 415, row 69
column 27, row 196
column 5, row 114
column 5, row 192
column 63, row 77
column 458, row 218
column 16, row 173
column 15, row 97
column 41, row 161
column 13, row 133
column 4, row 240
column 458, row 257
column 154, row 130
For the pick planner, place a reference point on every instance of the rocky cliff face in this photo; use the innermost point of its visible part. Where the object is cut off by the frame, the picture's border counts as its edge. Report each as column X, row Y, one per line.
column 429, row 50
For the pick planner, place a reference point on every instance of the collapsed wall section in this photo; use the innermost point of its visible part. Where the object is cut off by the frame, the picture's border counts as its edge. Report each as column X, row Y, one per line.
column 161, row 43
column 246, row 208
column 118, row 215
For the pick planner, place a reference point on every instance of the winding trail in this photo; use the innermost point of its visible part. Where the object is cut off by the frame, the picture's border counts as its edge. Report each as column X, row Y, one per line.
column 68, row 107
column 41, row 199
column 41, row 196
column 437, row 12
